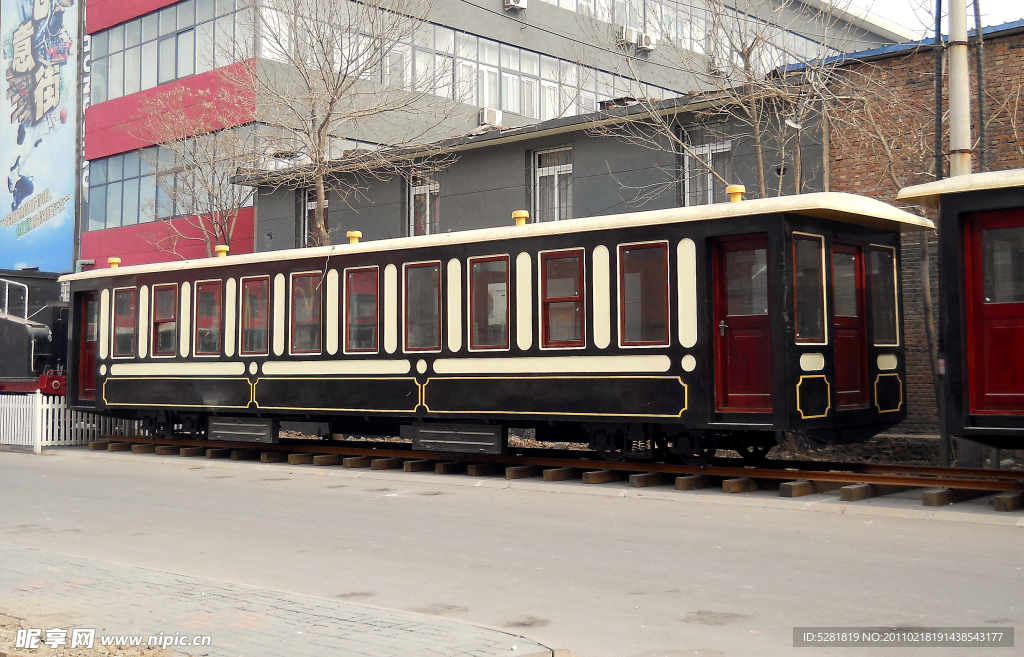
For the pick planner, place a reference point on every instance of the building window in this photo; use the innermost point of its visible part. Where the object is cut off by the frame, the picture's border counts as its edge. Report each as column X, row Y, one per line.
column 643, row 290
column 306, row 296
column 209, row 315
column 809, row 287
column 488, row 302
column 255, row 316
column 700, row 185
column 125, row 321
column 165, row 319
column 310, row 217
column 424, row 213
column 361, row 309
column 884, row 313
column 423, row 307
column 183, row 39
column 553, row 185
column 562, row 307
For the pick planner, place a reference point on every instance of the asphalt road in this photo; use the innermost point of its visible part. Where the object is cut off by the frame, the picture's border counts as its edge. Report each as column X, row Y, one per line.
column 604, row 576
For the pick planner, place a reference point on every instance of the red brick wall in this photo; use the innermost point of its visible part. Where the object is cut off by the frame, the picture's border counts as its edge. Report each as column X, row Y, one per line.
column 899, row 104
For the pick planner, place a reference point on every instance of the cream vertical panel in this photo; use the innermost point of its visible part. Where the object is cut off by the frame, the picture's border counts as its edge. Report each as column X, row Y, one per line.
column 686, row 271
column 104, row 323
column 524, row 301
column 185, row 320
column 454, row 304
column 279, row 314
column 332, row 312
column 143, row 337
column 390, row 309
column 229, row 318
column 602, row 303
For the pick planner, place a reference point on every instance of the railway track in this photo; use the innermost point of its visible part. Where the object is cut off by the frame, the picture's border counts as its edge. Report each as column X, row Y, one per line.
column 855, row 482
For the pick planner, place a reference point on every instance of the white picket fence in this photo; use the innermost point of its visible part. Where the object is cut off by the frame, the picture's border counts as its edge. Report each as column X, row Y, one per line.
column 38, row 420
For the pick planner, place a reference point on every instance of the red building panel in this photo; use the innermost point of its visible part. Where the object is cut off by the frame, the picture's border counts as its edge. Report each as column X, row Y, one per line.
column 107, row 13
column 162, row 241
column 113, row 127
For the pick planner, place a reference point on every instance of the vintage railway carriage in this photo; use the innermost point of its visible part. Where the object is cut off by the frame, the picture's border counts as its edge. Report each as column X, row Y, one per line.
column 981, row 244
column 686, row 329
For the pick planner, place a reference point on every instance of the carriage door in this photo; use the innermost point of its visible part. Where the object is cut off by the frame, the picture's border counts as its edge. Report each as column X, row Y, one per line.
column 743, row 363
column 851, row 358
column 995, row 311
column 88, row 341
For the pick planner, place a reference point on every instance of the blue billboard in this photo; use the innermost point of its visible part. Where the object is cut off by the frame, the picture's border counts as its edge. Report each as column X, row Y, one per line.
column 38, row 113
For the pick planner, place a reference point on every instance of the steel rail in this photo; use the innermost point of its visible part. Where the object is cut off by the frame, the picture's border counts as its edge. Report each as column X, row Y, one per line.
column 878, row 474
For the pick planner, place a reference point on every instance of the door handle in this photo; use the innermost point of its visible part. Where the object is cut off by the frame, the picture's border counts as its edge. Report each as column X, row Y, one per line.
column 721, row 328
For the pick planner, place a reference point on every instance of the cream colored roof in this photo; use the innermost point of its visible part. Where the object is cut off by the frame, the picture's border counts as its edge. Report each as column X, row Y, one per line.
column 929, row 193
column 827, row 205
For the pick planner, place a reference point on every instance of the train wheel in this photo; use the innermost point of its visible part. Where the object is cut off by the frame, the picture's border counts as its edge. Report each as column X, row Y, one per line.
column 609, row 447
column 754, row 454
column 701, row 457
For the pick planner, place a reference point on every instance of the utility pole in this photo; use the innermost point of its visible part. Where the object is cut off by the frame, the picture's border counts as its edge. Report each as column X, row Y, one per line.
column 959, row 91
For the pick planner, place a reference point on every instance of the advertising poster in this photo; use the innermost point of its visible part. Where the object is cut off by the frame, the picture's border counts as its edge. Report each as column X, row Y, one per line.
column 37, row 133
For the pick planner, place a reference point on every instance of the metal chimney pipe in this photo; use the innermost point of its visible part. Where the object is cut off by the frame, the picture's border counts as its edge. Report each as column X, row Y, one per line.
column 959, row 91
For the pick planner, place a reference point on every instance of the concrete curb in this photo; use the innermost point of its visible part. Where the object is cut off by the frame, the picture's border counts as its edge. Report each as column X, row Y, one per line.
column 621, row 489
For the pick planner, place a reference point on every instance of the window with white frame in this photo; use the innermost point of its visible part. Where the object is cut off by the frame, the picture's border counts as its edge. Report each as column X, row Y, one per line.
column 423, row 206
column 309, row 220
column 553, row 184
column 700, row 164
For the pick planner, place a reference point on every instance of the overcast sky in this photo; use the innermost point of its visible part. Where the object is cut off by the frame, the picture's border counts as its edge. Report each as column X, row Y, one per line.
column 915, row 15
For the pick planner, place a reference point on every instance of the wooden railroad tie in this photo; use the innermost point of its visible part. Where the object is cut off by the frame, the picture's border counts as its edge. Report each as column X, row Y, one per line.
column 419, row 465
column 645, row 479
column 143, row 448
column 244, row 454
column 218, row 453
column 167, row 450
column 357, row 462
column 561, row 474
column 1008, row 501
column 484, row 469
column 944, row 496
column 450, row 467
column 192, row 451
column 521, row 471
column 387, row 464
column 118, row 447
column 99, row 444
column 299, row 459
column 857, row 492
column 602, row 476
column 272, row 457
column 693, row 482
column 740, row 485
column 326, row 459
column 802, row 487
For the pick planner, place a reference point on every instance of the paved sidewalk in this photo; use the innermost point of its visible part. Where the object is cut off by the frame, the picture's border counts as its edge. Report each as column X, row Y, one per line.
column 71, row 592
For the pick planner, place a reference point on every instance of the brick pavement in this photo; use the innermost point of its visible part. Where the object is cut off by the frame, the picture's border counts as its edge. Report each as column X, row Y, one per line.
column 71, row 592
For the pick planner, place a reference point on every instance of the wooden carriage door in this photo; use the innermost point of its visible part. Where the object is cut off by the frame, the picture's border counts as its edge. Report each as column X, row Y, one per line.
column 743, row 363
column 995, row 312
column 851, row 357
column 88, row 340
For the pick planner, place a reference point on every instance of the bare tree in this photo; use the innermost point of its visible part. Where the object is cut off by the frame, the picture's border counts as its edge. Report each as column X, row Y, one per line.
column 204, row 137
column 328, row 70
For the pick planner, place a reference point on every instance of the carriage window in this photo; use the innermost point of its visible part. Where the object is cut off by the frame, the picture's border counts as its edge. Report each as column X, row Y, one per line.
column 165, row 319
column 125, row 314
column 809, row 288
column 489, row 302
column 562, row 299
column 255, row 315
column 1002, row 251
column 747, row 276
column 306, row 313
column 361, row 309
column 209, row 311
column 643, row 286
column 423, row 307
column 883, row 296
column 845, row 282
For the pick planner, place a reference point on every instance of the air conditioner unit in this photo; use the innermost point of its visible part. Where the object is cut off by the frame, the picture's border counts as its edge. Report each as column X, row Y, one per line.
column 515, row 4
column 625, row 36
column 646, row 42
column 490, row 116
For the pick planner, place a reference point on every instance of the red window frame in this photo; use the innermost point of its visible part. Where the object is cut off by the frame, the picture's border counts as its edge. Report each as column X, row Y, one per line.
column 261, row 320
column 349, row 319
column 129, row 321
column 546, row 301
column 405, row 303
column 209, row 321
column 622, row 296
column 472, row 302
column 159, row 320
column 317, row 308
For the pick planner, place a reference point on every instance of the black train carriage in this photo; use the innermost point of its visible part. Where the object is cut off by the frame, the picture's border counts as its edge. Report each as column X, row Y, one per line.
column 981, row 287
column 686, row 329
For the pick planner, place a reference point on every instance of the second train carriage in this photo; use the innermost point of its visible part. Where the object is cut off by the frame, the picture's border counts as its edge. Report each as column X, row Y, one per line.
column 685, row 329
